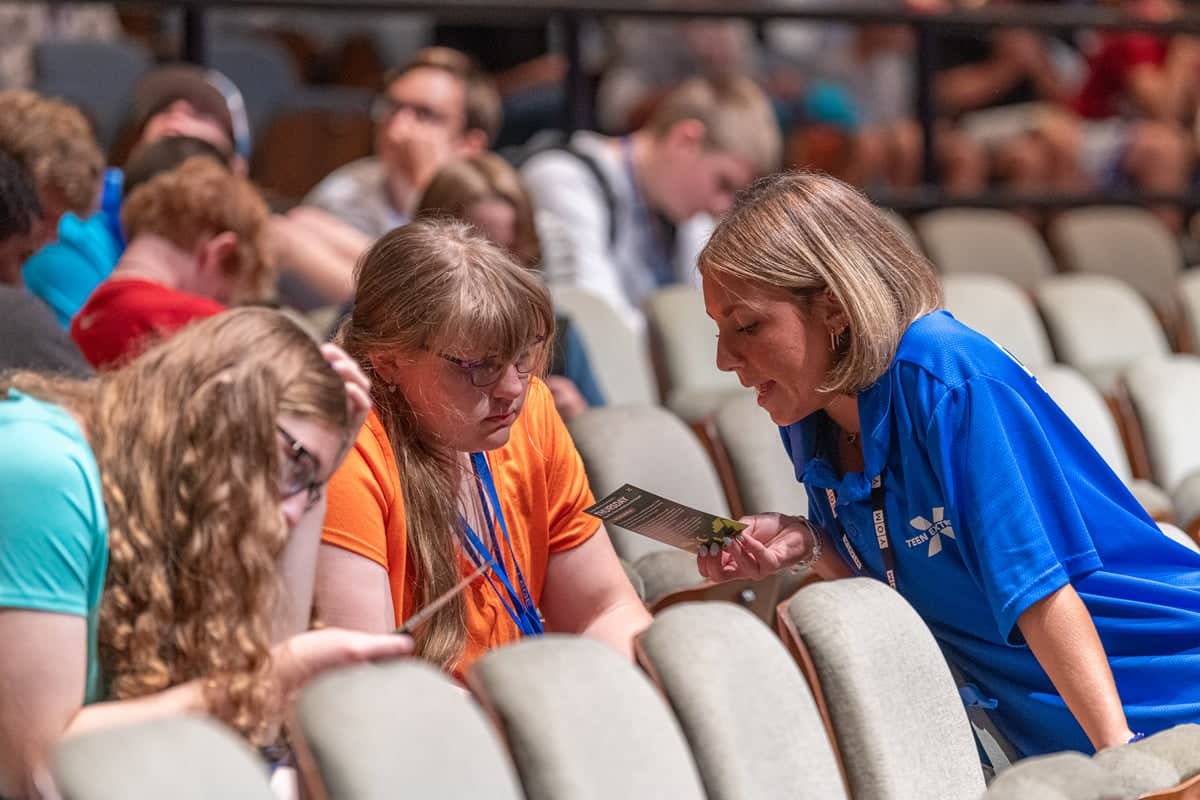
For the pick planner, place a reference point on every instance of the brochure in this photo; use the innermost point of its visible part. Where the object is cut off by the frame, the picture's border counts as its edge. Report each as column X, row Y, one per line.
column 664, row 520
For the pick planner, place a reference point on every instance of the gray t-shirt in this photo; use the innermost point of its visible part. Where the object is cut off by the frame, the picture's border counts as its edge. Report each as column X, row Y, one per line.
column 357, row 194
column 31, row 338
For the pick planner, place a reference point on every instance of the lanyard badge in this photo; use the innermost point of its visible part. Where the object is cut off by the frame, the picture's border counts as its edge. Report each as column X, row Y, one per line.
column 879, row 522
column 518, row 605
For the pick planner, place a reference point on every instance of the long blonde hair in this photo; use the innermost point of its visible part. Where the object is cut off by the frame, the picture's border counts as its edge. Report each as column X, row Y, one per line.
column 186, row 443
column 804, row 233
column 434, row 285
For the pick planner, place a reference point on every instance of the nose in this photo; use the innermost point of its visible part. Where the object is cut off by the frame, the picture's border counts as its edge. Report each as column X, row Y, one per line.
column 727, row 359
column 510, row 385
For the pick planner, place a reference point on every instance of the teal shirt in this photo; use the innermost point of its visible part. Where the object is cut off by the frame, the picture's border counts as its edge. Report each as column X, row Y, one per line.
column 53, row 528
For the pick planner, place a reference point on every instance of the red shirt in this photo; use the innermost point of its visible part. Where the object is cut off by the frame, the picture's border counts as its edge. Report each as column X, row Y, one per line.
column 126, row 315
column 1109, row 70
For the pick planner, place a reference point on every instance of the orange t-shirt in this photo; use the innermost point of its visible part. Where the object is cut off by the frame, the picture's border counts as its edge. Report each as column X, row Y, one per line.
column 543, row 491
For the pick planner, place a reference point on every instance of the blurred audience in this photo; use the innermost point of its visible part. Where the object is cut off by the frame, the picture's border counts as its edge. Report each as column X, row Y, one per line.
column 637, row 209
column 196, row 245
column 29, row 336
column 54, row 141
column 436, row 107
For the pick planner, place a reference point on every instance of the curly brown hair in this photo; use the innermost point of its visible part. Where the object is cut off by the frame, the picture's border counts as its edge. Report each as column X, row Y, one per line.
column 54, row 141
column 200, row 198
column 185, row 438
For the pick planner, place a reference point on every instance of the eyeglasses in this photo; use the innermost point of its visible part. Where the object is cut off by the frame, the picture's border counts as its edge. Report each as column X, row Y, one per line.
column 488, row 371
column 385, row 107
column 298, row 471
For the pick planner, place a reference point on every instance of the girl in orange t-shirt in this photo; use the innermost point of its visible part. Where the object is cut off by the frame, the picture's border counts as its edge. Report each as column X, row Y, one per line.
column 463, row 462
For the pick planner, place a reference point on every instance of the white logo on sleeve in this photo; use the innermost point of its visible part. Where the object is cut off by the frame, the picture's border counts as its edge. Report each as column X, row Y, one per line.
column 931, row 532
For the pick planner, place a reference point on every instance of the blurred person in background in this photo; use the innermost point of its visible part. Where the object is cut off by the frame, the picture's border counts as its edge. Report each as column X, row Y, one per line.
column 197, row 244
column 29, row 335
column 437, row 107
column 637, row 209
column 53, row 140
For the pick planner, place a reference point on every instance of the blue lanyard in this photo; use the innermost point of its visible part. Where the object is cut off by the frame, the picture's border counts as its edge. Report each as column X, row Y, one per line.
column 660, row 259
column 520, row 608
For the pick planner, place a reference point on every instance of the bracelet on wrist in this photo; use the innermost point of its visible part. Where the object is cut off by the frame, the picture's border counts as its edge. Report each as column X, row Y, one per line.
column 814, row 553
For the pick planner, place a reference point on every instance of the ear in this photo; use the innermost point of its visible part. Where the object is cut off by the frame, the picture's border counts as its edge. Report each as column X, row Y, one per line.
column 386, row 367
column 836, row 318
column 215, row 253
column 474, row 142
column 687, row 135
column 239, row 167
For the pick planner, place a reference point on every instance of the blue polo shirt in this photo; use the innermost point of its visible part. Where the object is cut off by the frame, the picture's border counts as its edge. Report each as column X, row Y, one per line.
column 994, row 500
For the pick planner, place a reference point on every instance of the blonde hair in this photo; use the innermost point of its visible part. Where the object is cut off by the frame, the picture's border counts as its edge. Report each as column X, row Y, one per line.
column 54, row 141
column 436, row 285
column 803, row 233
column 463, row 182
column 482, row 108
column 200, row 198
column 737, row 117
column 186, row 442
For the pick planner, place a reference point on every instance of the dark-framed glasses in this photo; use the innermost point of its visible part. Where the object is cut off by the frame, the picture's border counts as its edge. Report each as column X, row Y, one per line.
column 384, row 107
column 299, row 471
column 487, row 371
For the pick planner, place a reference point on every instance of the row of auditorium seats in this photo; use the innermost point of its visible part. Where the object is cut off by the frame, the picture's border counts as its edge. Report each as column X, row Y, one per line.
column 721, row 708
column 300, row 132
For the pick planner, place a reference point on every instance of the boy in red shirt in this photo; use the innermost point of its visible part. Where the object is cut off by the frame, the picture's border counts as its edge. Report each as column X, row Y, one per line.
column 195, row 245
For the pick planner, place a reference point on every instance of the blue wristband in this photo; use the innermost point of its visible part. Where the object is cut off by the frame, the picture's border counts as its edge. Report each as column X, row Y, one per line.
column 1137, row 737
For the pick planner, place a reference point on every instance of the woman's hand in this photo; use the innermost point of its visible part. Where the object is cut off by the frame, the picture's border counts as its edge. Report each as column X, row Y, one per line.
column 358, row 385
column 306, row 655
column 770, row 543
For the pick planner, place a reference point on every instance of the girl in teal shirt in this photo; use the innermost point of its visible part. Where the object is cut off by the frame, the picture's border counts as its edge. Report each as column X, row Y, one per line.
column 148, row 521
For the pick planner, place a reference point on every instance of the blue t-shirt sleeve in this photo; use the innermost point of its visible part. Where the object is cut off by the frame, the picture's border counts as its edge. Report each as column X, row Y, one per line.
column 52, row 534
column 1019, row 530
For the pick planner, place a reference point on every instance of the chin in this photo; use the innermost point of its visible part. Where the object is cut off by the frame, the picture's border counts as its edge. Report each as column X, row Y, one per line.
column 493, row 439
column 784, row 415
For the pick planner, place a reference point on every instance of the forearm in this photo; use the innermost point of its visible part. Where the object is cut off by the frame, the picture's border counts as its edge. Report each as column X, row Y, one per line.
column 346, row 240
column 186, row 698
column 966, row 88
column 1060, row 632
column 307, row 256
column 618, row 624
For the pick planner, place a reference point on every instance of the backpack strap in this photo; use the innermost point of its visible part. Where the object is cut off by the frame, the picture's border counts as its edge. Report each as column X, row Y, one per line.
column 558, row 144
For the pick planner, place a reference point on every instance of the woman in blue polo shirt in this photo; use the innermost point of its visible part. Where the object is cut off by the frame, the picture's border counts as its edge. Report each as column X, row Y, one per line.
column 1033, row 565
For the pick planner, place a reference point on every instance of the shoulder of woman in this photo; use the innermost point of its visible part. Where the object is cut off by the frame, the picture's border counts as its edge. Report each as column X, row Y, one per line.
column 47, row 463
